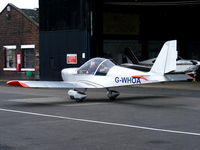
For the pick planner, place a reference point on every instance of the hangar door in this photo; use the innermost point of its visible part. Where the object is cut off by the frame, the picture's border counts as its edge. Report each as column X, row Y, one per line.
column 144, row 27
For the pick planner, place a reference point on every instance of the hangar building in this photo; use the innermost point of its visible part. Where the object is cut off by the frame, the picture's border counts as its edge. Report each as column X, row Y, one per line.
column 71, row 32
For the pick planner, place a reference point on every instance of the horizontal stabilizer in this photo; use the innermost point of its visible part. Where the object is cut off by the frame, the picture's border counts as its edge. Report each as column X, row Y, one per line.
column 178, row 77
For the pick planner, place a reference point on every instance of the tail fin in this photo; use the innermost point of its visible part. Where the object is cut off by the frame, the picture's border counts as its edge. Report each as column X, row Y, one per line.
column 166, row 60
column 131, row 56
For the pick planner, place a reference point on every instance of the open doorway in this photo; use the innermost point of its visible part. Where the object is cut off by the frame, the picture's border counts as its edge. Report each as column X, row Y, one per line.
column 144, row 27
column 121, row 30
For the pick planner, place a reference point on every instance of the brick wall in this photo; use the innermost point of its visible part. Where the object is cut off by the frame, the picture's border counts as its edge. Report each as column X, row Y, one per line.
column 17, row 29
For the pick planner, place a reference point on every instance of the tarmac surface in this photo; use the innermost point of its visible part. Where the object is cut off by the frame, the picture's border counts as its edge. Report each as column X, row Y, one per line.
column 163, row 116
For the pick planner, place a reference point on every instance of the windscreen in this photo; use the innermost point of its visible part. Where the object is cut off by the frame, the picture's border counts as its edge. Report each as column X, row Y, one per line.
column 96, row 66
column 104, row 67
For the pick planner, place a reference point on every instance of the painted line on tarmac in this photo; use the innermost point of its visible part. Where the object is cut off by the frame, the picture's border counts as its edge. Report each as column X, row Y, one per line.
column 101, row 122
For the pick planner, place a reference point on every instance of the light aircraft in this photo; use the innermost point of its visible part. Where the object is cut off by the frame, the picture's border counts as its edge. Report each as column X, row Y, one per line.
column 103, row 73
column 182, row 65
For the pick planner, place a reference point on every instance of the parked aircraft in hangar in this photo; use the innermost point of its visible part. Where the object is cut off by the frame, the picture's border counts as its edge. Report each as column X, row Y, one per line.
column 190, row 67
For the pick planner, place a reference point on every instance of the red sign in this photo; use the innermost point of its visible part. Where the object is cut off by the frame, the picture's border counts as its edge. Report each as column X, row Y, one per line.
column 71, row 58
column 18, row 67
column 18, row 58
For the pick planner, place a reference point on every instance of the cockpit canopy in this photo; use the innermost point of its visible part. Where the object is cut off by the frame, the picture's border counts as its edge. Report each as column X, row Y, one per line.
column 96, row 66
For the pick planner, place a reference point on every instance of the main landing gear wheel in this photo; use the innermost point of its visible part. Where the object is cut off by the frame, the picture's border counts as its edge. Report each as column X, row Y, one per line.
column 112, row 95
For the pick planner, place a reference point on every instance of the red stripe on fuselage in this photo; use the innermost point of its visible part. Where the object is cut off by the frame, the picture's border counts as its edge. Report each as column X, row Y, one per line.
column 140, row 77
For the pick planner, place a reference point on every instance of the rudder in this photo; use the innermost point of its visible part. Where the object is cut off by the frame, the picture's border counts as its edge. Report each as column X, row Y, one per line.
column 166, row 60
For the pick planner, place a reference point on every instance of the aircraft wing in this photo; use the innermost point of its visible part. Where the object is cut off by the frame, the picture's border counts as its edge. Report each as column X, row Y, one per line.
column 51, row 84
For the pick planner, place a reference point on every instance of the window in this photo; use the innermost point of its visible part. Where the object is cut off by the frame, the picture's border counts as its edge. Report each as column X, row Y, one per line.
column 10, row 57
column 28, row 58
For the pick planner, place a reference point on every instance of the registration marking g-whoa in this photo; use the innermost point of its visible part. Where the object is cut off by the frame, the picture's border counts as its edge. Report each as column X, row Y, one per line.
column 129, row 80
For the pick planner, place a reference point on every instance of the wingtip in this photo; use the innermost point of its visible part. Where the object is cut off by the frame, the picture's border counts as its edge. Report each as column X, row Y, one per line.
column 17, row 83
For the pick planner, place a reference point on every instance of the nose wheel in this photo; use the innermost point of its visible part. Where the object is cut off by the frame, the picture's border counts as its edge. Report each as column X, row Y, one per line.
column 112, row 95
column 77, row 95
